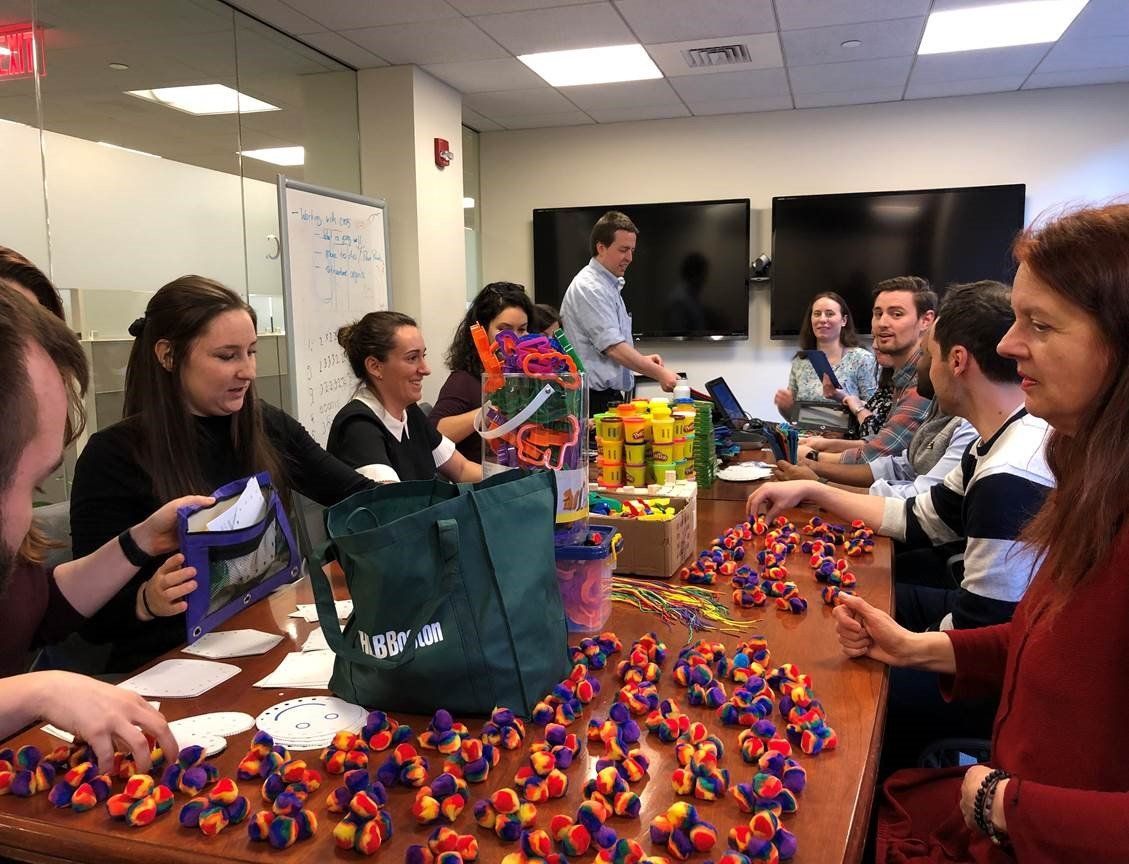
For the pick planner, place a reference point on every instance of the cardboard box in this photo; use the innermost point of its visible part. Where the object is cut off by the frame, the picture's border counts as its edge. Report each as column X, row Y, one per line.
column 655, row 549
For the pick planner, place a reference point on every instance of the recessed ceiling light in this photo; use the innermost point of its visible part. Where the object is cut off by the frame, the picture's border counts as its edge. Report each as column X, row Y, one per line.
column 468, row 203
column 128, row 149
column 119, row 67
column 204, row 99
column 605, row 65
column 851, row 43
column 278, row 155
column 1032, row 22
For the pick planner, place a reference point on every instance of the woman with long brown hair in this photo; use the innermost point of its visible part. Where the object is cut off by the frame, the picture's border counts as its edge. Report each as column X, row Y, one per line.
column 1057, row 787
column 192, row 422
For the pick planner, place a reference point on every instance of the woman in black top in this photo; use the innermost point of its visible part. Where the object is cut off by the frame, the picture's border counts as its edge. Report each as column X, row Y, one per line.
column 192, row 423
column 382, row 431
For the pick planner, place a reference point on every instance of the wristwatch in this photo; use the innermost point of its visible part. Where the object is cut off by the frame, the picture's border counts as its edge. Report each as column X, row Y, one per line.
column 133, row 553
column 813, row 455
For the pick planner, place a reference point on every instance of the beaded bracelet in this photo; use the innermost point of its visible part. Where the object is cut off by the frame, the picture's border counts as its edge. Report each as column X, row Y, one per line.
column 982, row 805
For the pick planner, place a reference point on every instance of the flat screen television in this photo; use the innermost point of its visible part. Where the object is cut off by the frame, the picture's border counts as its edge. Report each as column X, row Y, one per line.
column 848, row 243
column 689, row 278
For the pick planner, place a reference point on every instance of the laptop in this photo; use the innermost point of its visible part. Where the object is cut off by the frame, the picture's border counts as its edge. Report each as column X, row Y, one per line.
column 745, row 431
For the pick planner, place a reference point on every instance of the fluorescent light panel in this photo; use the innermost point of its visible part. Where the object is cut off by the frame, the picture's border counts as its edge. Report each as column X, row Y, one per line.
column 605, row 65
column 278, row 155
column 468, row 203
column 1002, row 25
column 128, row 149
column 203, row 99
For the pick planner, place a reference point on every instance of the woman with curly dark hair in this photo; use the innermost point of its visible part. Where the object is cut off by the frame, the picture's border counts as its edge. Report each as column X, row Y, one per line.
column 498, row 306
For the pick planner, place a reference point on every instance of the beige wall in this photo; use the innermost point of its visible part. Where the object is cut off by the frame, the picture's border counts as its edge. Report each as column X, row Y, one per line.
column 1067, row 145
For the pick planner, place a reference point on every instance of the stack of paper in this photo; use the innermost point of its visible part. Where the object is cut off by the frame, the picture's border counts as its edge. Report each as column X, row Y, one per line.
column 309, row 612
column 304, row 669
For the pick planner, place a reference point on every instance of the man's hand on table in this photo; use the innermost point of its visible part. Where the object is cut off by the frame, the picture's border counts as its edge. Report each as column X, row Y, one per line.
column 785, row 470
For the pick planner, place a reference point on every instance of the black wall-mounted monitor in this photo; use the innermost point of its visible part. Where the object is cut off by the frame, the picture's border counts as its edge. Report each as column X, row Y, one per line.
column 848, row 243
column 689, row 276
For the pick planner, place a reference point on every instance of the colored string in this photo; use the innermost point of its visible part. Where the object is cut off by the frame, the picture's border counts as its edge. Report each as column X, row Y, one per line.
column 696, row 608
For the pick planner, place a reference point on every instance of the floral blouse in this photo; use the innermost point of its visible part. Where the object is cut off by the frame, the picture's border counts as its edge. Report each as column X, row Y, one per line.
column 857, row 372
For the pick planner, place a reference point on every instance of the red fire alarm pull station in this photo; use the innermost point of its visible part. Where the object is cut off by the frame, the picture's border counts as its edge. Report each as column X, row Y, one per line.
column 443, row 154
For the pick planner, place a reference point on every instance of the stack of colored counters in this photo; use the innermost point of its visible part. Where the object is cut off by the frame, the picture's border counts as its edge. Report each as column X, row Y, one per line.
column 190, row 773
column 539, row 779
column 504, row 729
column 81, row 788
column 562, row 744
column 443, row 734
column 575, row 837
column 610, row 787
column 594, row 651
column 762, row 736
column 764, row 839
column 355, row 781
column 142, row 801
column 444, row 846
column 705, row 449
column 382, row 732
column 472, row 761
column 750, row 659
column 667, row 721
column 366, row 825
column 403, row 767
column 293, row 776
column 444, row 798
column 683, row 831
column 580, row 686
column 263, row 758
column 505, row 814
column 346, row 752
column 750, row 702
column 25, row 772
column 536, row 848
column 222, row 806
column 619, row 732
column 694, row 670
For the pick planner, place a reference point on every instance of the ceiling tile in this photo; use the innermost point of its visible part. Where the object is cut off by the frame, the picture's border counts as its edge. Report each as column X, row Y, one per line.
column 1086, row 53
column 540, row 100
column 799, row 14
column 280, row 15
column 741, row 106
column 986, row 63
column 453, row 40
column 540, row 121
column 949, row 5
column 966, row 87
column 861, row 75
column 477, row 122
column 1073, row 77
column 848, row 97
column 559, row 29
column 1101, row 18
column 481, row 76
column 621, row 95
column 753, row 84
column 337, row 46
column 763, row 48
column 676, row 20
column 897, row 38
column 637, row 112
column 489, row 7
column 351, row 15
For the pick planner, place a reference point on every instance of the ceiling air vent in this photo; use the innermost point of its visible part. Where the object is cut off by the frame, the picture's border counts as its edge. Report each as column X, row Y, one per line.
column 716, row 55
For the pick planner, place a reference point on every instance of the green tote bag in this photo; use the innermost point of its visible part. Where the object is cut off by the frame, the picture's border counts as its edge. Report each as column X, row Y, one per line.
column 455, row 598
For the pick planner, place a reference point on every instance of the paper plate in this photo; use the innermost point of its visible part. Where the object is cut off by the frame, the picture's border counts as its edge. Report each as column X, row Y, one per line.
column 310, row 722
column 212, row 744
column 220, row 724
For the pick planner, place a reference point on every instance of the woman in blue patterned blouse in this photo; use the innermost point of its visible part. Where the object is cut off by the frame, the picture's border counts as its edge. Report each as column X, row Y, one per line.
column 828, row 327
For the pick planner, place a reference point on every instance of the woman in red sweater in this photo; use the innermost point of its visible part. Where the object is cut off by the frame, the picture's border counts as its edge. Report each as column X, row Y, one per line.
column 1057, row 788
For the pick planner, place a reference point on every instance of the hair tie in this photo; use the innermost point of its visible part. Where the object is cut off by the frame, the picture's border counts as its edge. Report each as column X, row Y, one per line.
column 137, row 327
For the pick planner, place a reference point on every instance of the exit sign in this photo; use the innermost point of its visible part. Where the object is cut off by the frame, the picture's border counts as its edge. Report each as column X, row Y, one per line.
column 17, row 52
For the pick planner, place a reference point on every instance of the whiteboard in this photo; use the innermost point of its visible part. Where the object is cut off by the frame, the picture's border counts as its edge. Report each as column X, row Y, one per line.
column 334, row 270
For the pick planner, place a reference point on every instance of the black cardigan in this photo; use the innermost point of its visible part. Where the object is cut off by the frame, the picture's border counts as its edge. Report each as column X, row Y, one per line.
column 358, row 438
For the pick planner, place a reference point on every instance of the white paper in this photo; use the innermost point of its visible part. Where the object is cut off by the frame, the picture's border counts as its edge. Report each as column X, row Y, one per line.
column 746, row 472
column 309, row 611
column 177, row 679
column 245, row 512
column 311, row 669
column 51, row 729
column 233, row 643
column 316, row 641
column 310, row 722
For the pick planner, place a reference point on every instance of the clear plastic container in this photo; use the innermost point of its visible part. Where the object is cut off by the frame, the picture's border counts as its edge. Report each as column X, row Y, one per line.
column 584, row 576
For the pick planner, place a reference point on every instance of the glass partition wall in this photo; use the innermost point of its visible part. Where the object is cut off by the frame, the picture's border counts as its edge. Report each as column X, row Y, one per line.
column 140, row 142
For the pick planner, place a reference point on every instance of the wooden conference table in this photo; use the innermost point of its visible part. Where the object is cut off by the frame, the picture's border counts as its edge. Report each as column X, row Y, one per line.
column 833, row 811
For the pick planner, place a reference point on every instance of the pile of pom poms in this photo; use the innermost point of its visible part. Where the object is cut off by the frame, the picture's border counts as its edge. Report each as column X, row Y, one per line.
column 444, row 798
column 211, row 813
column 619, row 732
column 381, row 732
column 472, row 761
column 443, row 734
column 25, row 772
column 292, row 776
column 367, row 825
column 683, row 831
column 444, row 846
column 667, row 721
column 539, row 779
column 142, row 801
column 403, row 767
column 759, row 738
column 504, row 729
column 764, row 839
column 263, row 758
column 288, row 820
column 536, row 848
column 348, row 751
column 750, row 702
column 807, row 726
column 594, row 651
column 576, row 836
column 190, row 773
column 81, row 788
column 505, row 814
column 694, row 670
column 610, row 787
column 355, row 781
